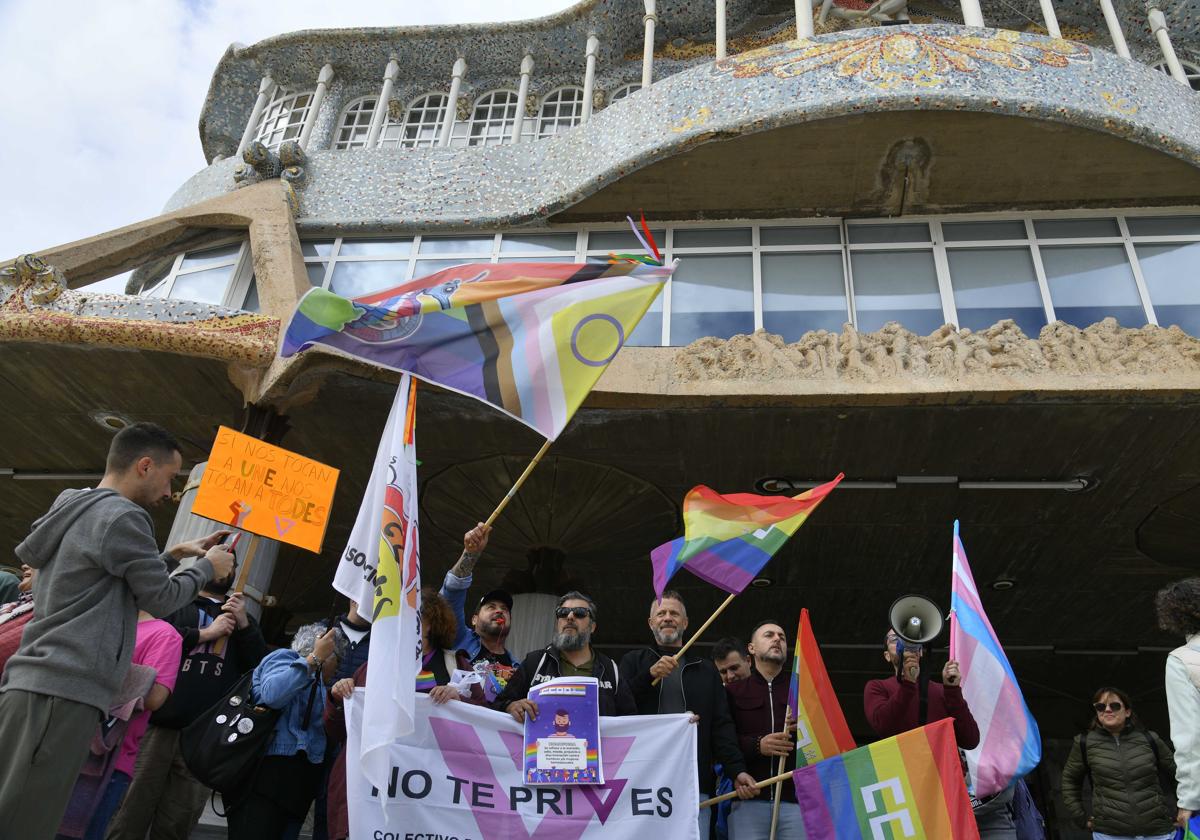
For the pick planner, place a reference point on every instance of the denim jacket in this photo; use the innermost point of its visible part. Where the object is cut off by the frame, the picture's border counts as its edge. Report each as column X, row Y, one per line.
column 454, row 590
column 282, row 681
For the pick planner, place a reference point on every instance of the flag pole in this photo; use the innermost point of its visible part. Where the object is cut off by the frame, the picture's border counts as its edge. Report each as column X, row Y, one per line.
column 508, row 497
column 243, row 574
column 696, row 635
column 782, row 777
column 953, row 620
column 779, row 785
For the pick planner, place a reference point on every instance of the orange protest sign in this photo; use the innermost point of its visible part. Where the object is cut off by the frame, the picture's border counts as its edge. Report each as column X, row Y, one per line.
column 266, row 490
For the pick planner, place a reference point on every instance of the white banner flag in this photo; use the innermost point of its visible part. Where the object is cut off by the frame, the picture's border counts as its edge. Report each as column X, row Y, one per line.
column 381, row 570
column 458, row 775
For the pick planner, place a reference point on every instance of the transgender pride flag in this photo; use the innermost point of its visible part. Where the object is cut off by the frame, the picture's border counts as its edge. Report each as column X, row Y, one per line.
column 1009, row 743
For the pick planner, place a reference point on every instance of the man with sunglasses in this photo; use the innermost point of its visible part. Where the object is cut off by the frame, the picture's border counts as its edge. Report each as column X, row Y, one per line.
column 570, row 655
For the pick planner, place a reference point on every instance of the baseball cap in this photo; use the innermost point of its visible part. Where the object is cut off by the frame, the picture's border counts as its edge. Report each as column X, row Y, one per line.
column 496, row 595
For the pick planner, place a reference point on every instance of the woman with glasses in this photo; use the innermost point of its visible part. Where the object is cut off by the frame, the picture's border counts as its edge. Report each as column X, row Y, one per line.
column 1126, row 764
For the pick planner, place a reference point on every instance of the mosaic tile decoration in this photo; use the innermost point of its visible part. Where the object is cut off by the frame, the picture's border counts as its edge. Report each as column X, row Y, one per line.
column 876, row 69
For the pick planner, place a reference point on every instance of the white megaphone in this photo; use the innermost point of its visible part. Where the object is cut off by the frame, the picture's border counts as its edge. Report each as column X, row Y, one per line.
column 917, row 622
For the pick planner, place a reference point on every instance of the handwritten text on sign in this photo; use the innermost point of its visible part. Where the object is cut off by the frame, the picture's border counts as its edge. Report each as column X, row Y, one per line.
column 266, row 490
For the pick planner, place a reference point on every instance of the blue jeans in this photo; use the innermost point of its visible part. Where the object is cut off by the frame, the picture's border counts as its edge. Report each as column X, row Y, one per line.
column 109, row 802
column 751, row 820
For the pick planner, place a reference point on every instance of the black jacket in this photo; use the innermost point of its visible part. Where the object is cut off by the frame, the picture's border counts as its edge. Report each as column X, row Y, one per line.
column 703, row 695
column 542, row 665
column 204, row 676
column 758, row 708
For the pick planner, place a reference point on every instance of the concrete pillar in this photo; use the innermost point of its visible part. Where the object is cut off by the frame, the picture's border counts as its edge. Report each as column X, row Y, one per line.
column 456, row 77
column 589, row 76
column 381, row 107
column 804, row 18
column 648, row 44
column 522, row 97
column 265, row 88
column 314, row 107
column 188, row 527
column 1158, row 25
column 972, row 13
column 721, row 28
column 1114, row 29
column 1050, row 18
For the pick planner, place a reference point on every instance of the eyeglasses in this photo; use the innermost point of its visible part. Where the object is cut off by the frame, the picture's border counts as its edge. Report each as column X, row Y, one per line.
column 578, row 612
column 1112, row 707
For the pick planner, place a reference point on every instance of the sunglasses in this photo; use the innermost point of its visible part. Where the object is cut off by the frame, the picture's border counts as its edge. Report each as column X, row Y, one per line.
column 1112, row 707
column 578, row 612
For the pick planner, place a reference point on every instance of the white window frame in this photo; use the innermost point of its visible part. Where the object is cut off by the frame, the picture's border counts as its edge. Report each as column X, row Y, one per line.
column 1190, row 69
column 236, row 288
column 624, row 91
column 282, row 119
column 550, row 125
column 496, row 119
column 394, row 133
column 353, row 113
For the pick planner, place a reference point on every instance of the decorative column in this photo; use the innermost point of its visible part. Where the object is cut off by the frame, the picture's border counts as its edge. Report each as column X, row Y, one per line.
column 1050, row 18
column 721, row 28
column 381, row 107
column 456, row 77
column 589, row 76
column 1158, row 25
column 522, row 96
column 804, row 18
column 1114, row 29
column 972, row 14
column 265, row 87
column 648, row 45
column 314, row 107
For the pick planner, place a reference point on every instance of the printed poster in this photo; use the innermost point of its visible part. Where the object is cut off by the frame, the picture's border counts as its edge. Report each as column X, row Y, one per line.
column 562, row 747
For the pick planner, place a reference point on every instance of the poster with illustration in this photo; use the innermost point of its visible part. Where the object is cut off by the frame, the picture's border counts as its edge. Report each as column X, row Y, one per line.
column 562, row 747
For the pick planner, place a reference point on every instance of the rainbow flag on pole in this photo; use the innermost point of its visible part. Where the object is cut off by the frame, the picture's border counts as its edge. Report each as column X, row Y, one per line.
column 821, row 730
column 1009, row 742
column 529, row 338
column 1192, row 832
column 909, row 786
column 728, row 539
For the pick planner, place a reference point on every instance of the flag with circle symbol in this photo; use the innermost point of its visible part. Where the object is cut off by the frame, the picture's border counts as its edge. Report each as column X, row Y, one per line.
column 531, row 339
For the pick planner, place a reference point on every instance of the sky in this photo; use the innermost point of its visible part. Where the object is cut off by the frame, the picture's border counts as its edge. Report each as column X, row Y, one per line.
column 100, row 102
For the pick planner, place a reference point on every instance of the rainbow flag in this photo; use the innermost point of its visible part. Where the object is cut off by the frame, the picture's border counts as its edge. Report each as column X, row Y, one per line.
column 1009, row 742
column 529, row 338
column 909, row 786
column 1192, row 832
column 728, row 539
column 821, row 730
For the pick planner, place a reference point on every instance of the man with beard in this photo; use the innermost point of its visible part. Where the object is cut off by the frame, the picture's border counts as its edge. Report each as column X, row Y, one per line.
column 483, row 638
column 690, row 685
column 164, row 797
column 569, row 655
column 731, row 659
column 759, row 707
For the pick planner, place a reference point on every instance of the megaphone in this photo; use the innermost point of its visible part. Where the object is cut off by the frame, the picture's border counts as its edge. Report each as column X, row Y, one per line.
column 916, row 620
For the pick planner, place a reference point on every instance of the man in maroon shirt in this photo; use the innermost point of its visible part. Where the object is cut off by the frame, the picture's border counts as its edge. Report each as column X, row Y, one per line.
column 907, row 699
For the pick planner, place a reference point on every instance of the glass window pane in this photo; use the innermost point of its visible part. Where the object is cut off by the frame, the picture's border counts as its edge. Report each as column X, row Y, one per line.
column 354, row 279
column 251, row 303
column 622, row 240
column 316, row 273
column 648, row 332
column 714, row 238
column 524, row 243
column 1089, row 283
column 803, row 292
column 799, row 236
column 426, row 267
column 1163, row 225
column 214, row 256
column 457, row 245
column 206, row 286
column 562, row 259
column 318, row 247
column 991, row 284
column 1170, row 273
column 982, row 231
column 712, row 295
column 896, row 286
column 1073, row 228
column 375, row 247
column 865, row 234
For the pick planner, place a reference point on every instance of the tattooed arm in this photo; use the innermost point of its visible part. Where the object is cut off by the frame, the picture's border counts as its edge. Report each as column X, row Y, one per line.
column 474, row 542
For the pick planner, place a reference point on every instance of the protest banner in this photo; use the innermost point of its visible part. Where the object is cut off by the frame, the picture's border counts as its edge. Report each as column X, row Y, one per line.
column 459, row 774
column 264, row 489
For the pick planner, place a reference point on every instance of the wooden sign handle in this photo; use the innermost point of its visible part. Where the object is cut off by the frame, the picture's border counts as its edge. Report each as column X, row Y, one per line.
column 239, row 586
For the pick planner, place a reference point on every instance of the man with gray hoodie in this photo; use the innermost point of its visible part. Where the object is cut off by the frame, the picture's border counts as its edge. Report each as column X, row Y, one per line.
column 97, row 564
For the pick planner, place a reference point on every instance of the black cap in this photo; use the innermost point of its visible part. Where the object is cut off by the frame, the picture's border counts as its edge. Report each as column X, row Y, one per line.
column 496, row 595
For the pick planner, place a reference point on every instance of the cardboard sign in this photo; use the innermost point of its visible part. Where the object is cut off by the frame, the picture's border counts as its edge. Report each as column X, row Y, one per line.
column 266, row 490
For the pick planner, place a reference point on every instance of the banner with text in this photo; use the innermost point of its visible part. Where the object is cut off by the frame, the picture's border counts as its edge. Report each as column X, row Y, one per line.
column 459, row 775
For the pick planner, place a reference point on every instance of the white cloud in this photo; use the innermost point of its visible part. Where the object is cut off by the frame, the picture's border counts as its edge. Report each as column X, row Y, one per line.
column 99, row 102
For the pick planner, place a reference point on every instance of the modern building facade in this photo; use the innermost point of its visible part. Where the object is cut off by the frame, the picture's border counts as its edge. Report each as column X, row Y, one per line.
column 950, row 250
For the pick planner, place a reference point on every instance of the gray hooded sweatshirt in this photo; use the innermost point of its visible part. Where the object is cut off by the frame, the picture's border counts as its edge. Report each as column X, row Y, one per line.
column 98, row 563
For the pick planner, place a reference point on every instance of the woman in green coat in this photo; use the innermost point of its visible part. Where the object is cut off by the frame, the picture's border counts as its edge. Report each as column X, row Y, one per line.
column 1125, row 763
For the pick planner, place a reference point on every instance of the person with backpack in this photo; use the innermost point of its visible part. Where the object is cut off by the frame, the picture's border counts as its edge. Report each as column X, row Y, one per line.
column 1178, row 608
column 1125, row 763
